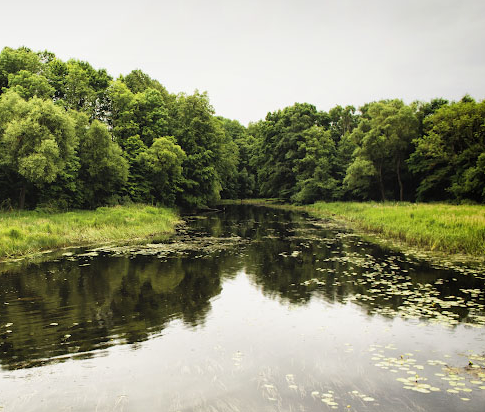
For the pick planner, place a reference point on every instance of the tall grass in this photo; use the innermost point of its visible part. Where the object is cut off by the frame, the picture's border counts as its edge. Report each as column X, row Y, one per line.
column 438, row 227
column 26, row 232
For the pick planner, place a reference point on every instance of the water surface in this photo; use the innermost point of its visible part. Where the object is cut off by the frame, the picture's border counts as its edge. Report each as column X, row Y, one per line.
column 249, row 309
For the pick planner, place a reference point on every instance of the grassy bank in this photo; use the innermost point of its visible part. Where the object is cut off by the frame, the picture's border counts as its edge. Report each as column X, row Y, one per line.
column 436, row 227
column 26, row 232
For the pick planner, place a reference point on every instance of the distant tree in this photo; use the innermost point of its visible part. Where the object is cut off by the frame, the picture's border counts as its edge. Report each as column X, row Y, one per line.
column 123, row 122
column 13, row 61
column 150, row 115
column 138, row 81
column 383, row 138
column 360, row 177
column 27, row 85
column 343, row 120
column 139, row 186
column 228, row 166
column 55, row 71
column 198, row 133
column 103, row 170
column 313, row 167
column 448, row 157
column 280, row 144
column 163, row 160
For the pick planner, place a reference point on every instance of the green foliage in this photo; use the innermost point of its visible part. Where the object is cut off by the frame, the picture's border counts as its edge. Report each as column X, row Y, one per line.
column 103, row 169
column 72, row 137
column 163, row 161
column 448, row 158
column 229, row 157
column 37, row 139
column 13, row 61
column 360, row 176
column 383, row 138
column 138, row 82
column 200, row 136
column 27, row 85
column 281, row 144
column 314, row 166
column 151, row 115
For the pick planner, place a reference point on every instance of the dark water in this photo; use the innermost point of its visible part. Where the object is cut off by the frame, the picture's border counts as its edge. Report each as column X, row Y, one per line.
column 250, row 309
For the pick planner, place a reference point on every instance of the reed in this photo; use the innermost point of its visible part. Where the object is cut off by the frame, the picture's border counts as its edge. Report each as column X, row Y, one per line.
column 431, row 226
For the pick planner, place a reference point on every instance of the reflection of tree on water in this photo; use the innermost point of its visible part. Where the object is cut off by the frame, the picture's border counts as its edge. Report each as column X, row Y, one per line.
column 61, row 308
column 293, row 260
column 65, row 308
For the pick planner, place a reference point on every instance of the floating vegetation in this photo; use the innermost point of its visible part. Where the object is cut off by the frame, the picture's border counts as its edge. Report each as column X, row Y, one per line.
column 426, row 380
column 282, row 314
column 391, row 286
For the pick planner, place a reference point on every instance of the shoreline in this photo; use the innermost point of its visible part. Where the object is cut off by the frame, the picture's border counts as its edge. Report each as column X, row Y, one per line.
column 435, row 231
column 26, row 234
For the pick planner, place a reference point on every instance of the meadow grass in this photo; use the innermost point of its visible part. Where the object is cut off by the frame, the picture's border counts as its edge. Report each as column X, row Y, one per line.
column 26, row 232
column 432, row 226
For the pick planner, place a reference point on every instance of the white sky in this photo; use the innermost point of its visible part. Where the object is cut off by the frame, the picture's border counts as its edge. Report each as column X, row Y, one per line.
column 255, row 56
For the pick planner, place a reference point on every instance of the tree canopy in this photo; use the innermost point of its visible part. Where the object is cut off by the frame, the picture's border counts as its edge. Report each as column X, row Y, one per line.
column 71, row 136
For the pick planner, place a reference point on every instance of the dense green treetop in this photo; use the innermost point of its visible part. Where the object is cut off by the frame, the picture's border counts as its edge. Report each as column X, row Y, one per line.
column 71, row 136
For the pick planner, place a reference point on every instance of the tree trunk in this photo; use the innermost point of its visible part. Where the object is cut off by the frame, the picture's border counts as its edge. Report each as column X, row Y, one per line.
column 398, row 171
column 381, row 184
column 22, row 197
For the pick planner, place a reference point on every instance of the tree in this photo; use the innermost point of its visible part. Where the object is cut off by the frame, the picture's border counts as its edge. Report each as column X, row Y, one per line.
column 151, row 115
column 123, row 117
column 103, row 170
column 313, row 168
column 139, row 186
column 281, row 139
column 36, row 140
column 163, row 160
column 447, row 157
column 383, row 137
column 229, row 157
column 197, row 132
column 359, row 178
column 138, row 82
column 27, row 85
column 14, row 60
column 343, row 121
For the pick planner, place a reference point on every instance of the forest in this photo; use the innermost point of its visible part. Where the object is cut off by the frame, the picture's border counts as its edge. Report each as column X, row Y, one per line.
column 73, row 137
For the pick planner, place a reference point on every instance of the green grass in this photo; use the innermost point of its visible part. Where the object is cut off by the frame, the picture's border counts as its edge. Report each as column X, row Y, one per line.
column 436, row 227
column 27, row 232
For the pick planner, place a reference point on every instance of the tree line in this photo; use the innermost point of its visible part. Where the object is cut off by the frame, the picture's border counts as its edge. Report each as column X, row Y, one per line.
column 72, row 136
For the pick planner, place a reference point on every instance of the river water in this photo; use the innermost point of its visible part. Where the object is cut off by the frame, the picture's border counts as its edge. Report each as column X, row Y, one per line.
column 249, row 309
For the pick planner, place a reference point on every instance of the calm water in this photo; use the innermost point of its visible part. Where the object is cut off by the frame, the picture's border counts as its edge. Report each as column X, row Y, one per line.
column 250, row 309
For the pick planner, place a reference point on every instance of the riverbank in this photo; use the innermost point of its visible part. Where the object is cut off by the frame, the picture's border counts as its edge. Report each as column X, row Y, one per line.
column 434, row 227
column 456, row 229
column 23, row 233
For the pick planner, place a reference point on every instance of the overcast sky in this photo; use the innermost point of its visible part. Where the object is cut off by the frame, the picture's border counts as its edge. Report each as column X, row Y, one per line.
column 255, row 56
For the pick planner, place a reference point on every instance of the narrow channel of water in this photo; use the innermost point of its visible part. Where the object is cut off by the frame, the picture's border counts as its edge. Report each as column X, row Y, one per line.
column 249, row 309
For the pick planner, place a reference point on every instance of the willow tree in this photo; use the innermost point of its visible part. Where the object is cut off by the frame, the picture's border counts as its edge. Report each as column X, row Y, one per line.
column 163, row 162
column 37, row 138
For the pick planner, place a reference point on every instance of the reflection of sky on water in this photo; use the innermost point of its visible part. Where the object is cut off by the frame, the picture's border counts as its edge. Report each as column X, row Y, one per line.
column 256, row 328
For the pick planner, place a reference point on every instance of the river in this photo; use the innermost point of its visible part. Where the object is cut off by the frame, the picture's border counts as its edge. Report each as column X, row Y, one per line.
column 248, row 309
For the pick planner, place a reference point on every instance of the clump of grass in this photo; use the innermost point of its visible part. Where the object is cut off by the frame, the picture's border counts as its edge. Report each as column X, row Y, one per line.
column 433, row 226
column 26, row 232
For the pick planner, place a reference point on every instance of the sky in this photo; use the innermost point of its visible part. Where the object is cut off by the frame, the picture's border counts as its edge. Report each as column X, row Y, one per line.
column 258, row 56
